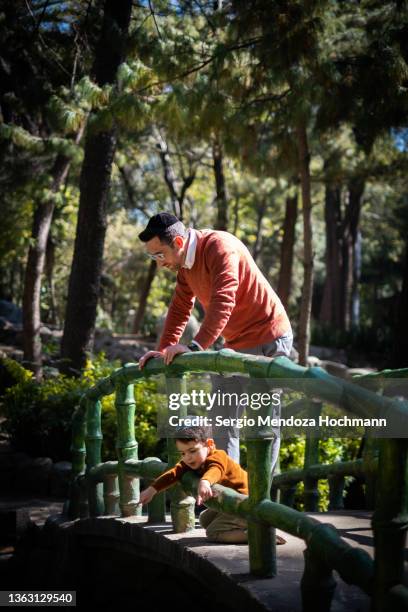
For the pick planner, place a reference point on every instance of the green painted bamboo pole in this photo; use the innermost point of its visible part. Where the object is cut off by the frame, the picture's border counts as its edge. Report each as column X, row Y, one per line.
column 311, row 457
column 148, row 468
column 390, row 520
column 288, row 493
column 319, row 383
column 111, row 494
column 93, row 444
column 181, row 505
column 156, row 510
column 398, row 373
column 398, row 598
column 336, row 488
column 83, row 496
column 317, row 584
column 357, row 467
column 78, row 459
column 126, row 447
column 370, row 459
column 261, row 537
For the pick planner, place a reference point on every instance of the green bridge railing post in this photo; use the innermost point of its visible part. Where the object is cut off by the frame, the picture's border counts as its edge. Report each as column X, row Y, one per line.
column 390, row 520
column 126, row 447
column 261, row 536
column 288, row 492
column 370, row 461
column 93, row 445
column 181, row 505
column 311, row 457
column 78, row 506
column 317, row 584
column 336, row 488
column 111, row 494
column 156, row 509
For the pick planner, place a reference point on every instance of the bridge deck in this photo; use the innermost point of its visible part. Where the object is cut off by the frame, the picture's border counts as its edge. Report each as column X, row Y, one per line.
column 281, row 593
column 223, row 569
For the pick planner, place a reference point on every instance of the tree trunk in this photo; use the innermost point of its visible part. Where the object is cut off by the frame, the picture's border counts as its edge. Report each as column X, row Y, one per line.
column 340, row 303
column 169, row 175
column 221, row 197
column 144, row 294
column 84, row 282
column 350, row 230
column 236, row 215
column 34, row 269
column 177, row 188
column 400, row 348
column 330, row 311
column 256, row 249
column 308, row 264
column 287, row 247
column 356, row 191
column 49, row 272
column 355, row 294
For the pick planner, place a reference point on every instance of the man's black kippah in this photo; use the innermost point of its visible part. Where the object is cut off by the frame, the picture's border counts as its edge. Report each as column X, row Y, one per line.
column 157, row 225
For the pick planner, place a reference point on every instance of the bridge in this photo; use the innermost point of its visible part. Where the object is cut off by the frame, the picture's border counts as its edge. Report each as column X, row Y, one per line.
column 349, row 561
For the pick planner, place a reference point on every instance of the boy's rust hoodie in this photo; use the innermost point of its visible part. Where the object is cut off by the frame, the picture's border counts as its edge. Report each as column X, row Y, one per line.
column 217, row 468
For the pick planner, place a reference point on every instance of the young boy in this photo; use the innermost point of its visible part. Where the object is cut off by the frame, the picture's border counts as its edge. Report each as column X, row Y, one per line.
column 198, row 453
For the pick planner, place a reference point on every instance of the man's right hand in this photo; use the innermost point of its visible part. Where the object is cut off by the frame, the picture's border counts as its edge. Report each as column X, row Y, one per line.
column 147, row 356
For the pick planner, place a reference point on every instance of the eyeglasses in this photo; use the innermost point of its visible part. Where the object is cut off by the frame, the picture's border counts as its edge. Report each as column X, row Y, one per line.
column 157, row 256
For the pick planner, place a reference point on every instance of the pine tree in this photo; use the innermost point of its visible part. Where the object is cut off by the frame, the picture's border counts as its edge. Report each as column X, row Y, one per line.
column 100, row 146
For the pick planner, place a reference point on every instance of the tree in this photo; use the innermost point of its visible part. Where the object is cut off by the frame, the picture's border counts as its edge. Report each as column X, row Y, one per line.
column 100, row 146
column 30, row 78
column 287, row 246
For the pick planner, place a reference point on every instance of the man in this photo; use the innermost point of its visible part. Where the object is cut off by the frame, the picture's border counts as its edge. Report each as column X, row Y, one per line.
column 239, row 303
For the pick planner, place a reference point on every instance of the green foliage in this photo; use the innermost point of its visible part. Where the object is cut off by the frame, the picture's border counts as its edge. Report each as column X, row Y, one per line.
column 330, row 450
column 12, row 373
column 38, row 415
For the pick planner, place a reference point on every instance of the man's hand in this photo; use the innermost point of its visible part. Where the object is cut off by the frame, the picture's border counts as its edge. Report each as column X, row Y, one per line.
column 148, row 356
column 204, row 491
column 171, row 351
column 147, row 495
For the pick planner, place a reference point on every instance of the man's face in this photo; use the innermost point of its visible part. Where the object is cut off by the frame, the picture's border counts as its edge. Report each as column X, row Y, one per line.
column 193, row 453
column 167, row 256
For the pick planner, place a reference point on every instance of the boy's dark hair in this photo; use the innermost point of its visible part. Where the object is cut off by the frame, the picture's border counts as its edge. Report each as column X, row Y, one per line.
column 196, row 434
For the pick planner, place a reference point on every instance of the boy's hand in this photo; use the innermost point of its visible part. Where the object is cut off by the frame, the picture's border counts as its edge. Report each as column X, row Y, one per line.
column 204, row 491
column 147, row 495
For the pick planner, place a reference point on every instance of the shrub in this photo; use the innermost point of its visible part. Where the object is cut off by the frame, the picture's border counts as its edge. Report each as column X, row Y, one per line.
column 11, row 373
column 39, row 415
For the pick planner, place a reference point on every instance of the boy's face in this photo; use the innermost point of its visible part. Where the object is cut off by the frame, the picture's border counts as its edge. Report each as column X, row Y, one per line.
column 194, row 453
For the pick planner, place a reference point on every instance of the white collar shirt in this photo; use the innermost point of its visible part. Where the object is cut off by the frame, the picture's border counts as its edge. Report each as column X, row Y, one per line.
column 191, row 249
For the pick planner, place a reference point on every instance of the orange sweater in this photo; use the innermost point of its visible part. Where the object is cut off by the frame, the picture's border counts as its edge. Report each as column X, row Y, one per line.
column 239, row 302
column 217, row 468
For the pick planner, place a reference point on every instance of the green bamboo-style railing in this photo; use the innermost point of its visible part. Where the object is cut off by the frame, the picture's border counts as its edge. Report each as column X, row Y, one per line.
column 106, row 488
